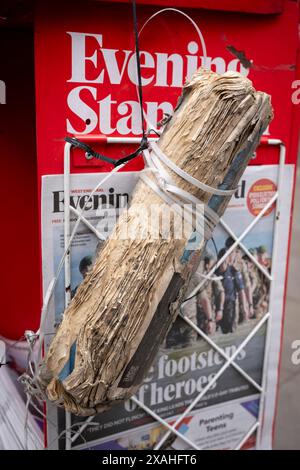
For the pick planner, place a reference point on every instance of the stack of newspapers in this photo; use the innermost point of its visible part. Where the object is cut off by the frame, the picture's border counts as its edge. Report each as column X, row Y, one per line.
column 19, row 429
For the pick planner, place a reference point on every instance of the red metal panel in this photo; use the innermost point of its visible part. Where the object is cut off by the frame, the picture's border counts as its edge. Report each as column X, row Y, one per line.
column 247, row 6
column 267, row 45
column 20, row 300
column 263, row 46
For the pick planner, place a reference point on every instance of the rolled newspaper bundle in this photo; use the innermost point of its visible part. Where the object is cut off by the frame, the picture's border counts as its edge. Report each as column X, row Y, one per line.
column 126, row 304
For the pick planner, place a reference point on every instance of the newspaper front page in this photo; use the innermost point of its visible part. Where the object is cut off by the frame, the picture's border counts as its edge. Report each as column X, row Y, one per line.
column 227, row 308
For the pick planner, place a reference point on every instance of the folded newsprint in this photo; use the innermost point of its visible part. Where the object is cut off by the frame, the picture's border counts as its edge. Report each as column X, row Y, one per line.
column 19, row 429
column 129, row 299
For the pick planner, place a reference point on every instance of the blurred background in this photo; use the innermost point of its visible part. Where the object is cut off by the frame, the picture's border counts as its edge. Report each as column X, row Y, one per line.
column 287, row 425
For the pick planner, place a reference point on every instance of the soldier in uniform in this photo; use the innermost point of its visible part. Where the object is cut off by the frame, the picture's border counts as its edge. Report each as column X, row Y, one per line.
column 211, row 298
column 204, row 309
column 262, row 292
column 244, row 310
column 259, row 284
column 233, row 285
column 84, row 266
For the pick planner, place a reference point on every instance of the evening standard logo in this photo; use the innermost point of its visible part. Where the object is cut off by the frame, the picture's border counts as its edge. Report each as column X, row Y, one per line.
column 94, row 66
column 153, row 222
column 81, row 199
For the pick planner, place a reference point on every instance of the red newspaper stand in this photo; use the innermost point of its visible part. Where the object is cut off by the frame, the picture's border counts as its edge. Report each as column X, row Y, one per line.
column 85, row 85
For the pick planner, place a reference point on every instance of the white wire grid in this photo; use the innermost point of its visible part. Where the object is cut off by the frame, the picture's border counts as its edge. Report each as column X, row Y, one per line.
column 71, row 436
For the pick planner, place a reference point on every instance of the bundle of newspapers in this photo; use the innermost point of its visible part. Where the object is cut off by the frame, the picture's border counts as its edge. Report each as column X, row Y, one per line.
column 120, row 314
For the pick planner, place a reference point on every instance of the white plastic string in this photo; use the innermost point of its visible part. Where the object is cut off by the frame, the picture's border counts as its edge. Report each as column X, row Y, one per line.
column 211, row 278
column 184, row 175
column 175, row 196
column 204, row 52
